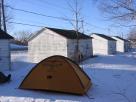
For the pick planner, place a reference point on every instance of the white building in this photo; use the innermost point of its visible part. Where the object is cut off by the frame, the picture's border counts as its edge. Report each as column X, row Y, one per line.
column 122, row 45
column 52, row 41
column 103, row 45
column 5, row 62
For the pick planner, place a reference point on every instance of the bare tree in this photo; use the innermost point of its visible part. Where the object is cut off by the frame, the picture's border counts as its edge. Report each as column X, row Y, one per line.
column 8, row 18
column 76, row 7
column 123, row 10
column 132, row 37
column 77, row 23
column 22, row 36
column 132, row 34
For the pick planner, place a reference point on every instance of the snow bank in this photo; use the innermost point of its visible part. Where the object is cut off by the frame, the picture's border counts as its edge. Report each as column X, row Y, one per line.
column 15, row 47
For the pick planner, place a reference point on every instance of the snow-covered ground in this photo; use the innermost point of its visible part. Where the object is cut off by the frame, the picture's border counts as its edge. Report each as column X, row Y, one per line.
column 15, row 47
column 113, row 77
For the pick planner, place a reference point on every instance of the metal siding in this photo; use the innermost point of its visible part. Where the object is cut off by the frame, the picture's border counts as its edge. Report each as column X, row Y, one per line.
column 100, row 45
column 111, row 47
column 120, row 45
column 85, row 48
column 4, row 55
column 46, row 44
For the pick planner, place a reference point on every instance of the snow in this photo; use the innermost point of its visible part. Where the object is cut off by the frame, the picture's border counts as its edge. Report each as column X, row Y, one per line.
column 17, row 47
column 113, row 77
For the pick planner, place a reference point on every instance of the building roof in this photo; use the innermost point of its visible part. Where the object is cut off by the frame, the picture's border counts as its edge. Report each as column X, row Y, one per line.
column 104, row 36
column 4, row 35
column 120, row 38
column 69, row 34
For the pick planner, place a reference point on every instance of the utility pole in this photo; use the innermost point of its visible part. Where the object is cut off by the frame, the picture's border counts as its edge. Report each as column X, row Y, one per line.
column 3, row 16
column 0, row 16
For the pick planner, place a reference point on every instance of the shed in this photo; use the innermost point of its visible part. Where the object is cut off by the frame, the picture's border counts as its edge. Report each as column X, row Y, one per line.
column 122, row 45
column 103, row 44
column 53, row 41
column 5, row 50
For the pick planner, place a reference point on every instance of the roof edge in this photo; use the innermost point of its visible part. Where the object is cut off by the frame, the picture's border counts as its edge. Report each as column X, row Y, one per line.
column 49, row 28
column 36, row 34
column 104, row 36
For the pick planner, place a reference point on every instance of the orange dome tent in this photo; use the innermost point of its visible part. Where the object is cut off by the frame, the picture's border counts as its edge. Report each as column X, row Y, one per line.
column 57, row 73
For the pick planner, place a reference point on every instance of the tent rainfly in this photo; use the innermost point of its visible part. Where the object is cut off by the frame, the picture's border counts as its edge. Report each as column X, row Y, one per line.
column 57, row 73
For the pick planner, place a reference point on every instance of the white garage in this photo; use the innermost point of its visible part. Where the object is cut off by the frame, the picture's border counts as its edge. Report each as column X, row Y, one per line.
column 103, row 44
column 53, row 41
column 5, row 50
column 122, row 45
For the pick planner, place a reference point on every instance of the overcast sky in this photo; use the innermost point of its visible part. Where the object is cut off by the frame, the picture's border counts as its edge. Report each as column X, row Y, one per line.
column 59, row 8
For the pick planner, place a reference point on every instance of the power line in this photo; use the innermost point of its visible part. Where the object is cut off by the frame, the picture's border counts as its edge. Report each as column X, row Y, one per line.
column 26, row 11
column 54, row 17
column 33, row 25
column 28, row 24
column 45, row 2
column 41, row 4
